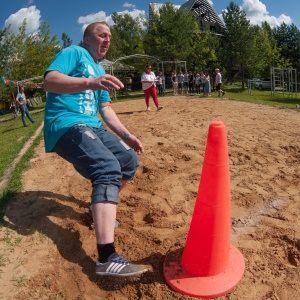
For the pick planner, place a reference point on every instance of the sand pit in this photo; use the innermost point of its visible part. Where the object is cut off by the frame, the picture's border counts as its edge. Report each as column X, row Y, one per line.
column 48, row 247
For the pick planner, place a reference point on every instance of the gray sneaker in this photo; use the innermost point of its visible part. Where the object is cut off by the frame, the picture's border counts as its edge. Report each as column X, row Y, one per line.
column 159, row 108
column 117, row 266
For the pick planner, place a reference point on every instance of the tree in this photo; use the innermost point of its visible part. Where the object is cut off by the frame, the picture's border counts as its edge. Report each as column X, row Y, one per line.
column 127, row 34
column 203, row 56
column 34, row 52
column 66, row 40
column 288, row 40
column 238, row 44
column 6, row 37
column 170, row 33
column 27, row 56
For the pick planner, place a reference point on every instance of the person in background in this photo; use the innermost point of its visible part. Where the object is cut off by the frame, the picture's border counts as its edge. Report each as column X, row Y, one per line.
column 149, row 80
column 207, row 85
column 22, row 103
column 202, row 76
column 198, row 84
column 180, row 79
column 161, row 83
column 14, row 108
column 218, row 82
column 78, row 90
column 191, row 83
column 186, row 82
column 174, row 81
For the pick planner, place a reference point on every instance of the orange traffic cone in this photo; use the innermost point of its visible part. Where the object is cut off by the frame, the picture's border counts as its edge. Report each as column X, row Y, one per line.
column 210, row 267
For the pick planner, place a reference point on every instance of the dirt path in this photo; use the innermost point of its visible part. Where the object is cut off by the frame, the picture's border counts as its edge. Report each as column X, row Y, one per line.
column 47, row 248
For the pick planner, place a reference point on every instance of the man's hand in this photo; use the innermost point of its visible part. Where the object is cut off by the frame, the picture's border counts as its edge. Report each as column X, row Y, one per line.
column 135, row 144
column 106, row 82
column 59, row 83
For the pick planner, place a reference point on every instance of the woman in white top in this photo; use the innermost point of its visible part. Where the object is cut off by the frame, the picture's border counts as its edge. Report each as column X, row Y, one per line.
column 149, row 87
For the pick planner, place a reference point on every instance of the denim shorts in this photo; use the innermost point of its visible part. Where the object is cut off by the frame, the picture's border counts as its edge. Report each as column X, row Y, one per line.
column 99, row 156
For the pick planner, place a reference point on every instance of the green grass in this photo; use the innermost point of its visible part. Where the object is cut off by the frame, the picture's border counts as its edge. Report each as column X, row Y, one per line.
column 262, row 97
column 13, row 137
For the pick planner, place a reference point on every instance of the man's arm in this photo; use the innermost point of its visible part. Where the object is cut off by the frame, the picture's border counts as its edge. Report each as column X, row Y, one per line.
column 17, row 100
column 113, row 122
column 59, row 83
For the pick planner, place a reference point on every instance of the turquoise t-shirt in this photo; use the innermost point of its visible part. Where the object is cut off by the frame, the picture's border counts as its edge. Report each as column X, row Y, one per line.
column 62, row 111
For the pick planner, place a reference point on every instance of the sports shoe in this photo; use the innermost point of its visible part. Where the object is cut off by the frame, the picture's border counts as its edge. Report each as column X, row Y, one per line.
column 117, row 266
column 148, row 108
column 159, row 108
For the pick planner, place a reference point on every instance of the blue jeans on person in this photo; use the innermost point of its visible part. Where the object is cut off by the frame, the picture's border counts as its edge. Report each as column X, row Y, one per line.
column 161, row 89
column 99, row 156
column 206, row 88
column 24, row 111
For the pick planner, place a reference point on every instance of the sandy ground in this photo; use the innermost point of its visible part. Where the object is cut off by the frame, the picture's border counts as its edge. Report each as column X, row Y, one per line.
column 48, row 250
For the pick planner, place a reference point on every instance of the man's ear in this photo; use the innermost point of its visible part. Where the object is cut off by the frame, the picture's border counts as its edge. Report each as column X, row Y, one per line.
column 86, row 40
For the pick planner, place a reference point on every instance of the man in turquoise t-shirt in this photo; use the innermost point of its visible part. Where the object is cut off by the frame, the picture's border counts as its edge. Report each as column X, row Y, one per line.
column 78, row 89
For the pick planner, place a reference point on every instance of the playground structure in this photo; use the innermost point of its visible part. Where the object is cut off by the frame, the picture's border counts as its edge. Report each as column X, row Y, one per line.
column 113, row 67
column 282, row 80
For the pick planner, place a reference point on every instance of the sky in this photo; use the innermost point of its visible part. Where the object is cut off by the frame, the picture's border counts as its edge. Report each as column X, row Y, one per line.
column 71, row 16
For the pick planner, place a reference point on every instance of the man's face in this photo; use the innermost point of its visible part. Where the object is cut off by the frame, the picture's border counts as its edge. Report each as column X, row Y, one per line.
column 99, row 41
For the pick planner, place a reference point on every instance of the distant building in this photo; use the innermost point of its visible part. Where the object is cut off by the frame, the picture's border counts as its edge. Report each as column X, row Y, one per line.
column 208, row 19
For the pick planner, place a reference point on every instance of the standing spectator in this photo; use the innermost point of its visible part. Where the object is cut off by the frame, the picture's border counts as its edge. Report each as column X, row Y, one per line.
column 198, row 84
column 161, row 83
column 180, row 79
column 22, row 103
column 14, row 108
column 191, row 83
column 78, row 90
column 149, row 87
column 202, row 76
column 207, row 86
column 129, row 83
column 174, row 81
column 218, row 82
column 186, row 82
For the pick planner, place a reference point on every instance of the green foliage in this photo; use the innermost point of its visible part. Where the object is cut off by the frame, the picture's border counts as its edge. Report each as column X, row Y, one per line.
column 288, row 40
column 66, row 40
column 15, row 135
column 203, row 56
column 237, row 43
column 170, row 34
column 127, row 35
column 23, row 57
